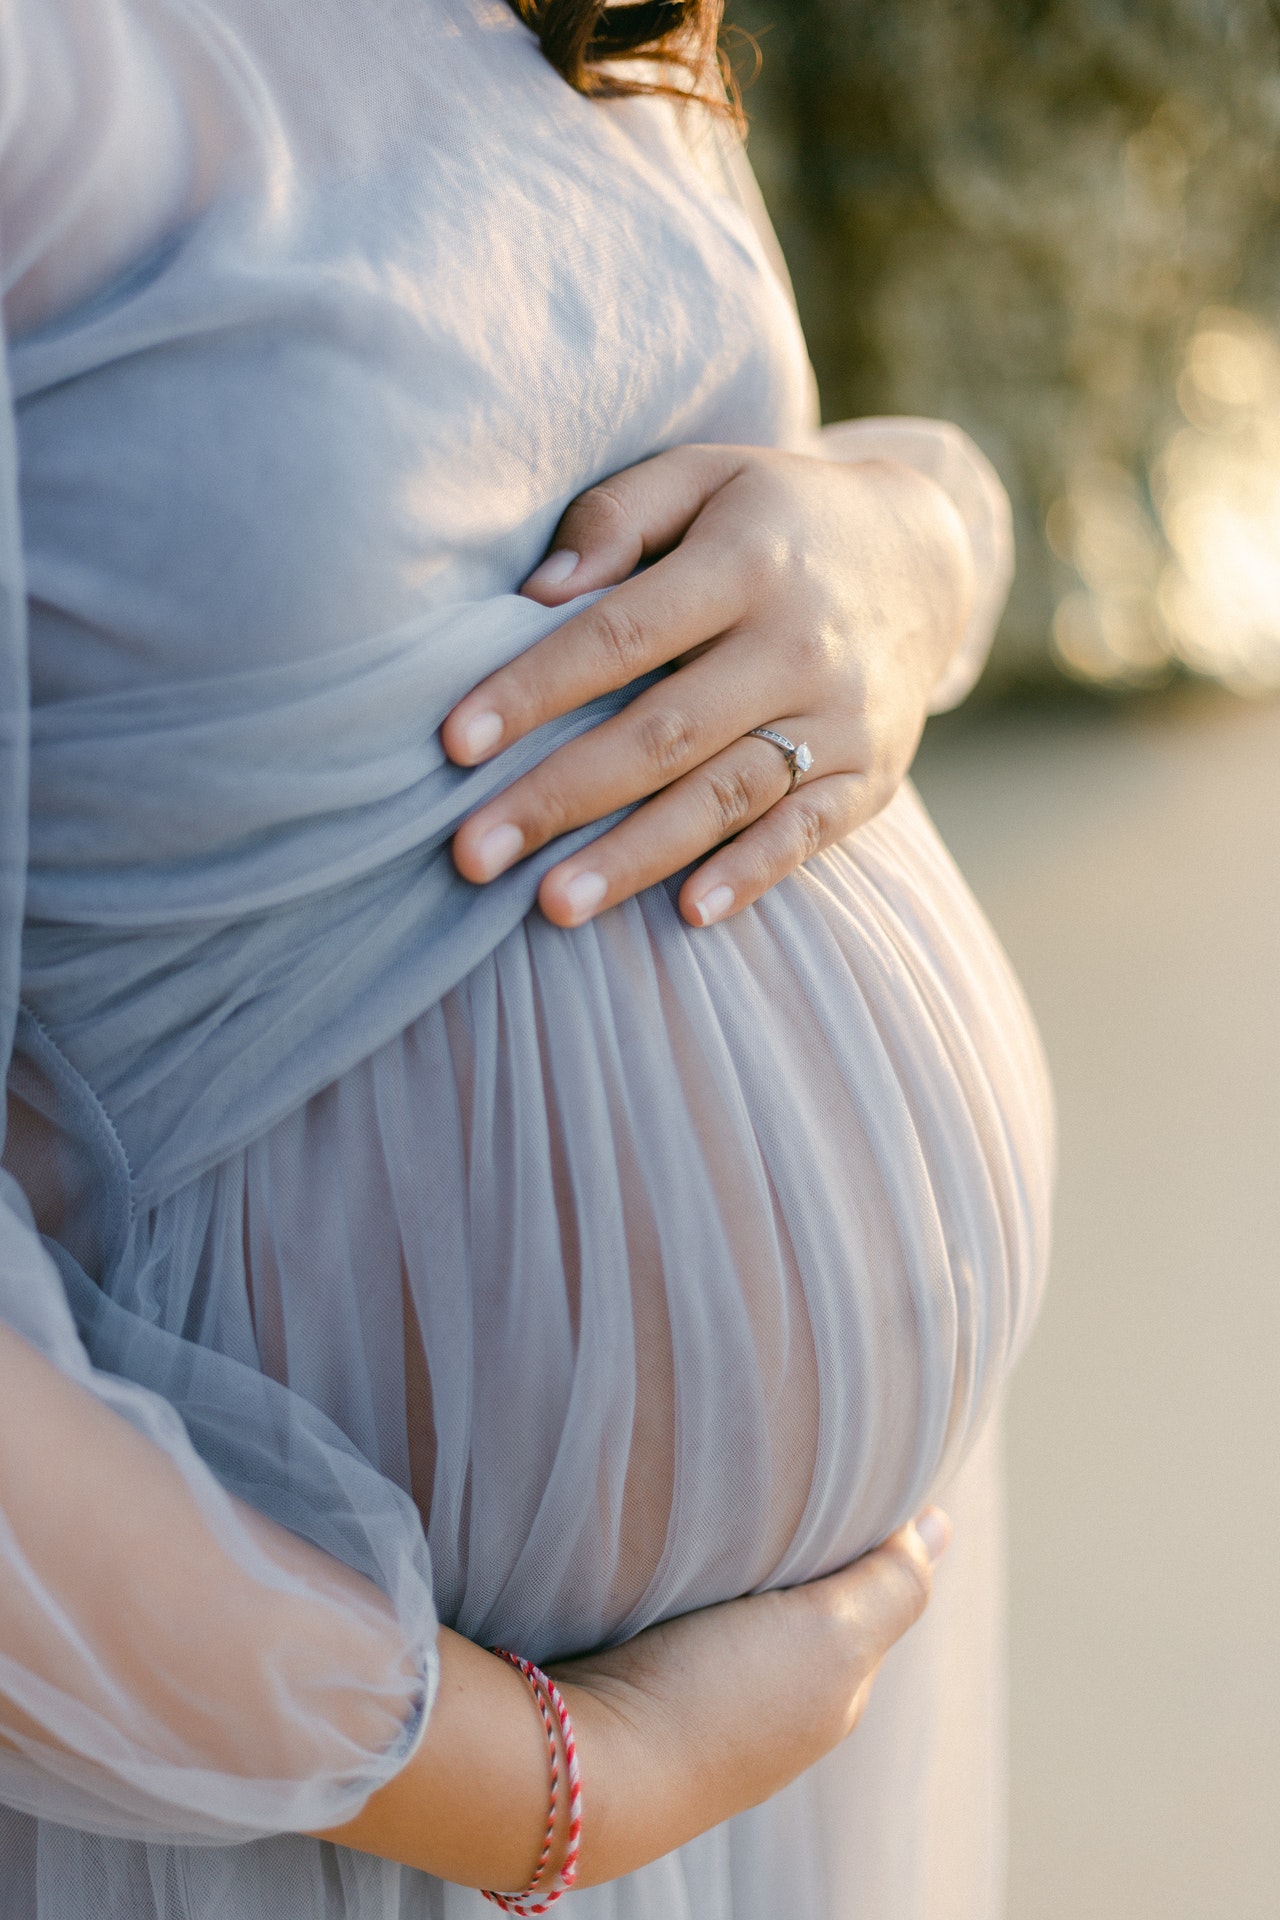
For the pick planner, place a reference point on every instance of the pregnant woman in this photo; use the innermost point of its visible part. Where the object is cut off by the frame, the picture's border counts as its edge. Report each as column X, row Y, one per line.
column 474, row 1213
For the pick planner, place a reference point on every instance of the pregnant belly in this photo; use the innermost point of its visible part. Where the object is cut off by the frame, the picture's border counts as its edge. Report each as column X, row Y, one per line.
column 712, row 1247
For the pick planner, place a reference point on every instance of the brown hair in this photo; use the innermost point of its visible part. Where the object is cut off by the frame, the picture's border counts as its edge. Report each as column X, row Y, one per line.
column 583, row 38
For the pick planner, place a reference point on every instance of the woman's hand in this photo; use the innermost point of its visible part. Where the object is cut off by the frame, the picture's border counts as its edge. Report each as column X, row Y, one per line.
column 678, row 1729
column 819, row 598
column 712, row 1713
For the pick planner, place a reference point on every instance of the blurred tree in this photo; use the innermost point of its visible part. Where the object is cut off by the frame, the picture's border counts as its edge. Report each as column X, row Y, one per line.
column 1029, row 216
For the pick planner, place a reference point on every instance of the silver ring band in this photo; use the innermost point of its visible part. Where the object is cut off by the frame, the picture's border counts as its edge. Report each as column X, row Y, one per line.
column 798, row 758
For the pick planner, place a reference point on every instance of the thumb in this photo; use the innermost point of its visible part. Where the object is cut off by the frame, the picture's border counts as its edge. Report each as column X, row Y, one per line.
column 887, row 1590
column 641, row 512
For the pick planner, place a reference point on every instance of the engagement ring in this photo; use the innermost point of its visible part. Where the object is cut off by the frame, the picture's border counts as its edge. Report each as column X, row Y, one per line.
column 798, row 758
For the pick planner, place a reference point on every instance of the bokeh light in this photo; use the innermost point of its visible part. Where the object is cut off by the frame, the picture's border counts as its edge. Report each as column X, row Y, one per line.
column 1189, row 574
column 1218, row 486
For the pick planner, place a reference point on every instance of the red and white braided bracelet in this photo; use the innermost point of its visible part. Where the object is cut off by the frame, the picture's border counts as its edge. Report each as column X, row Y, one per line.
column 550, row 1701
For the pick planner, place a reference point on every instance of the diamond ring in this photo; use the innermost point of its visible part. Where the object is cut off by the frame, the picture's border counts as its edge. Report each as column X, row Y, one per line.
column 798, row 758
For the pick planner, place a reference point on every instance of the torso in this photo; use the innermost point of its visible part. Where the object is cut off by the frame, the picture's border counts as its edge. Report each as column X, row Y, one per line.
column 659, row 1264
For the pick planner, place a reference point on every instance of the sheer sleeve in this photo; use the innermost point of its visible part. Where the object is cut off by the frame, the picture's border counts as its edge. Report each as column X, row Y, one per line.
column 174, row 1664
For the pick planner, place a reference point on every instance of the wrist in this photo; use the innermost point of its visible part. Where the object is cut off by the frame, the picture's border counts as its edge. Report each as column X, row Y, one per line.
column 637, row 1782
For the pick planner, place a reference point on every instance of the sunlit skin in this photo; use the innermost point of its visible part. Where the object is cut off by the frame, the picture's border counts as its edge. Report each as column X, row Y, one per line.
column 817, row 597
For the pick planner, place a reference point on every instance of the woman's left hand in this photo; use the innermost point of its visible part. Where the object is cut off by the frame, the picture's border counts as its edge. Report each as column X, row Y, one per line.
column 818, row 598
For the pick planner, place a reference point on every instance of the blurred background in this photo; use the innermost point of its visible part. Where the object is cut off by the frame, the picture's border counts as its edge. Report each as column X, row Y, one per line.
column 1058, row 223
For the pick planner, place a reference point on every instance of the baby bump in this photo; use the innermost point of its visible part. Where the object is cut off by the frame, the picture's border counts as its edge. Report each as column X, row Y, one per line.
column 713, row 1247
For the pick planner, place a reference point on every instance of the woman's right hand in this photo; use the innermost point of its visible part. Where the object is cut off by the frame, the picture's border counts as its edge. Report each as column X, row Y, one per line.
column 678, row 1729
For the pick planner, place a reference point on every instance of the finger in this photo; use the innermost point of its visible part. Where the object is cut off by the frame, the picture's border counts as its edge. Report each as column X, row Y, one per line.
column 719, row 797
column 665, row 733
column 606, row 532
column 935, row 1532
column 821, row 811
column 689, row 597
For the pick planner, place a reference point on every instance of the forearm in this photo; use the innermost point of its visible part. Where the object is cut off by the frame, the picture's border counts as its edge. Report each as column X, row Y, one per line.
column 663, row 1756
column 203, row 1644
column 471, row 1804
column 677, row 1730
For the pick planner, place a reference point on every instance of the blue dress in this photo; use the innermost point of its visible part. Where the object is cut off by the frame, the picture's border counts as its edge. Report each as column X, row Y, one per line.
column 554, row 1283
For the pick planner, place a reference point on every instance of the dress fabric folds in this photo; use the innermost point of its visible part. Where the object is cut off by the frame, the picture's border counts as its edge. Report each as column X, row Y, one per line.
column 552, row 1284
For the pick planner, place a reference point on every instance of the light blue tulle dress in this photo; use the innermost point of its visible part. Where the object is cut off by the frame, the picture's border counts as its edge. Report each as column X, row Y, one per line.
column 555, row 1282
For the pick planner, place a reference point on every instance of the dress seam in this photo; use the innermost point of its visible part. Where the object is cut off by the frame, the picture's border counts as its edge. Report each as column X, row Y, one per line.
column 52, row 1057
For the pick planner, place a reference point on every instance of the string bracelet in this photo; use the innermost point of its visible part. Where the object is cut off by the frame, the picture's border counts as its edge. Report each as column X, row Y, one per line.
column 550, row 1703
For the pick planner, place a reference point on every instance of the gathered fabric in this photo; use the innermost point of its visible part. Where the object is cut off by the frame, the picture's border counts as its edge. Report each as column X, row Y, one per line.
column 553, row 1283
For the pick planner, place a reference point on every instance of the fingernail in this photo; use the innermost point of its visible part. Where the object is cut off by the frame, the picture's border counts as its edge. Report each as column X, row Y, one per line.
column 555, row 569
column 714, row 905
column 934, row 1529
column 584, row 893
column 498, row 848
column 482, row 731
